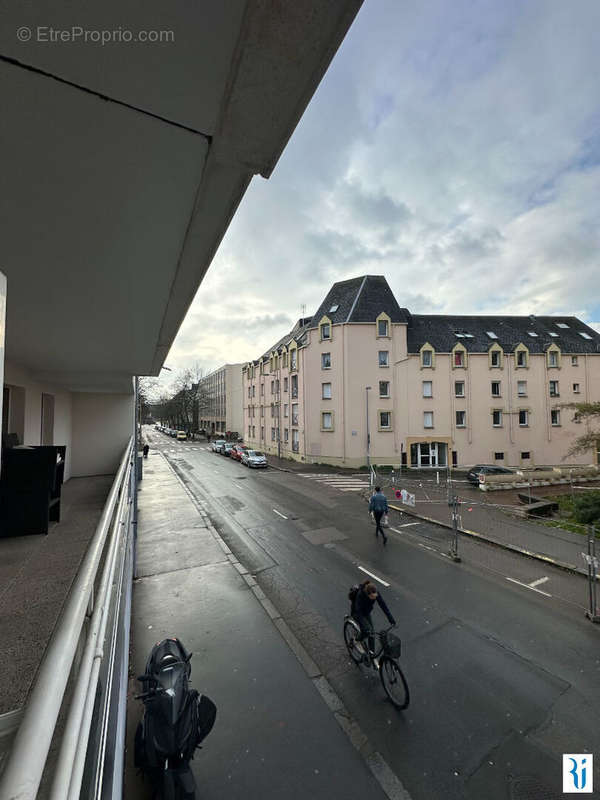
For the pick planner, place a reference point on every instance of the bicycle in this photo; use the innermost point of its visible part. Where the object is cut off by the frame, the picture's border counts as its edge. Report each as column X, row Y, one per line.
column 384, row 659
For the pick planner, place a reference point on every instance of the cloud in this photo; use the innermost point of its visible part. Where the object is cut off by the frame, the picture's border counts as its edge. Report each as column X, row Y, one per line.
column 453, row 148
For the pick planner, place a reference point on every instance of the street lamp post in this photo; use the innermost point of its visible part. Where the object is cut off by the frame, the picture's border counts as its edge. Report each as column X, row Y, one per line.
column 367, row 390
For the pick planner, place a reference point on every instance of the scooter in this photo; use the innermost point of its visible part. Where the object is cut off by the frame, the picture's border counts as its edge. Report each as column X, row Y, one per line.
column 176, row 719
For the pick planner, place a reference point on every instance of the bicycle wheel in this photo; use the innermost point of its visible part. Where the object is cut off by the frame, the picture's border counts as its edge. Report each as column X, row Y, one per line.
column 351, row 631
column 394, row 682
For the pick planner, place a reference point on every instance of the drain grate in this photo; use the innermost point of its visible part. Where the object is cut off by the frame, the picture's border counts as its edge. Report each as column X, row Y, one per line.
column 527, row 787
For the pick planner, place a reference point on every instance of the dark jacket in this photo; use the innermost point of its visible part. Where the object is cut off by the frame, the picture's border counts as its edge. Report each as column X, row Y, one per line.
column 379, row 503
column 363, row 605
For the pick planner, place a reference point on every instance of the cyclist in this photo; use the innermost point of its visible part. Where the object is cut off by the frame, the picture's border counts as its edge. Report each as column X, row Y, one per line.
column 362, row 607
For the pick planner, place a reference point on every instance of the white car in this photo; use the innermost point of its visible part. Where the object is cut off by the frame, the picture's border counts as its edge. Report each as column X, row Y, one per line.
column 254, row 458
column 217, row 445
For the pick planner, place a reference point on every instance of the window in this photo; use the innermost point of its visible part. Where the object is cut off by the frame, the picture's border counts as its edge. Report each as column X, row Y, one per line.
column 576, row 388
column 555, row 416
column 533, row 334
column 249, row 391
column 285, row 410
column 285, row 360
column 272, row 387
column 426, row 358
column 523, row 417
column 461, row 419
column 521, row 358
column 277, row 386
column 326, row 391
column 522, row 388
column 553, row 334
column 286, row 434
column 497, row 418
column 272, row 434
column 459, row 388
column 525, row 455
column 495, row 388
column 250, row 431
column 325, row 330
column 427, row 389
column 428, row 419
column 262, row 411
column 574, row 361
column 294, row 359
column 385, row 420
column 561, row 325
column 253, row 431
column 552, row 358
column 294, row 386
column 382, row 327
column 295, row 441
column 384, row 388
column 325, row 360
column 459, row 358
column 272, row 410
column 498, row 456
column 326, row 420
column 554, row 389
column 262, row 389
column 285, row 384
column 495, row 358
column 294, row 413
column 384, row 358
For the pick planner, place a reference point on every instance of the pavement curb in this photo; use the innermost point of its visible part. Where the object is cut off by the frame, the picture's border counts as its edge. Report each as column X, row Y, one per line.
column 489, row 540
column 387, row 779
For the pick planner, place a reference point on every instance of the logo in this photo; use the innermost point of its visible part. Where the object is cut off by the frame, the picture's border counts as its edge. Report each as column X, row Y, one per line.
column 578, row 773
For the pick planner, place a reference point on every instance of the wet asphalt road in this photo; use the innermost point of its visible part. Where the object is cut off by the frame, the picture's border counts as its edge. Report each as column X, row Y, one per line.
column 503, row 679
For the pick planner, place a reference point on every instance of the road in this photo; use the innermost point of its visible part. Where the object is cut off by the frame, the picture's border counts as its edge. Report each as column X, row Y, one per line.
column 503, row 667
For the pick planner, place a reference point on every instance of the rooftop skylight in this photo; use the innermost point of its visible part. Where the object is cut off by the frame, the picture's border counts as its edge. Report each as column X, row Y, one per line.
column 584, row 334
column 491, row 334
column 561, row 325
column 533, row 334
column 552, row 333
column 334, row 308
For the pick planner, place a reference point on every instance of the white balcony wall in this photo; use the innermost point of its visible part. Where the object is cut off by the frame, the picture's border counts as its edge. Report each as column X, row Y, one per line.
column 102, row 425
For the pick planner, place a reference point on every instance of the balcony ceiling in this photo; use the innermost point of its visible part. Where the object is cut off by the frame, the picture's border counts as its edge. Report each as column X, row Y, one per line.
column 123, row 164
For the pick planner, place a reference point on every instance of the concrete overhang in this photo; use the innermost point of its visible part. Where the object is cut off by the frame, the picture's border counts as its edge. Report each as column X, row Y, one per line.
column 124, row 163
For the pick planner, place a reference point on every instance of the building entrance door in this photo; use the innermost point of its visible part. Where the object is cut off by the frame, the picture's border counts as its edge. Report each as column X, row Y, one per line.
column 428, row 454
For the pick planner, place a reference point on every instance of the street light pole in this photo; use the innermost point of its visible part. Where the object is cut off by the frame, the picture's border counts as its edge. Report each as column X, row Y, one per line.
column 367, row 390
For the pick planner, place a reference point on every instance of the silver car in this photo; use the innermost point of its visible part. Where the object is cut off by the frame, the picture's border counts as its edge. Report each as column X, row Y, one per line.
column 254, row 458
column 217, row 445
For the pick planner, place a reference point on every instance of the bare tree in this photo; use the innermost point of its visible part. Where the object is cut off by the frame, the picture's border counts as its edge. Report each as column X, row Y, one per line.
column 589, row 412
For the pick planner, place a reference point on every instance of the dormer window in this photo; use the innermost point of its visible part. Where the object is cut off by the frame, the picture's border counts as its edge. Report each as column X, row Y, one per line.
column 522, row 356
column 326, row 331
column 382, row 328
column 553, row 356
column 426, row 356
column 495, row 358
column 459, row 356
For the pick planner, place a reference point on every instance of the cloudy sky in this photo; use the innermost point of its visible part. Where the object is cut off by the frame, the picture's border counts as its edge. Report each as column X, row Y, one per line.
column 453, row 147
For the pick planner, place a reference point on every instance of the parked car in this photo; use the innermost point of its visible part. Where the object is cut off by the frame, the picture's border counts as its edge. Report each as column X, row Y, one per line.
column 254, row 458
column 217, row 445
column 227, row 448
column 486, row 469
column 237, row 451
column 181, row 435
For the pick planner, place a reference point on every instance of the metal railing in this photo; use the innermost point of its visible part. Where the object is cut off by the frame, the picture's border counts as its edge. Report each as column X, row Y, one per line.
column 81, row 628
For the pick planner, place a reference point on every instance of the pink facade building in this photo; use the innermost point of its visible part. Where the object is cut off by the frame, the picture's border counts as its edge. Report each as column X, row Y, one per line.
column 364, row 380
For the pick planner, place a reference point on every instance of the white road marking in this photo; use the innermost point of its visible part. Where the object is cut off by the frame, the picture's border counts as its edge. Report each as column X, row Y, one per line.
column 351, row 489
column 370, row 574
column 395, row 530
column 408, row 524
column 280, row 514
column 537, row 583
column 526, row 586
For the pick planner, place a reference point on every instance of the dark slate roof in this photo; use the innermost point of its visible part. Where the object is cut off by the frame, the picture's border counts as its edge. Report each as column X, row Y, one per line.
column 360, row 300
column 296, row 333
column 439, row 331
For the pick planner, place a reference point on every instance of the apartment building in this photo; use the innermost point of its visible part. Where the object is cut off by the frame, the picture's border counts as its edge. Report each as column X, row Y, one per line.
column 220, row 400
column 366, row 379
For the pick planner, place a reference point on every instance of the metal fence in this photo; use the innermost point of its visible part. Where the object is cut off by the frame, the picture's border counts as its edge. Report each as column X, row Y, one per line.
column 83, row 675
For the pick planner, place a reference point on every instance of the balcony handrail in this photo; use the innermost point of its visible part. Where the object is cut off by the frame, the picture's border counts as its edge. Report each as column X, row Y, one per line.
column 27, row 759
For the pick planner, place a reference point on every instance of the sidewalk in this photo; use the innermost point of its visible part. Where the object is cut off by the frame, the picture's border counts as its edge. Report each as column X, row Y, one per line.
column 489, row 518
column 274, row 735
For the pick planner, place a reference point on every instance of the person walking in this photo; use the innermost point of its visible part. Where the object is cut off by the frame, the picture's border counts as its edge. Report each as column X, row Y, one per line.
column 378, row 506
